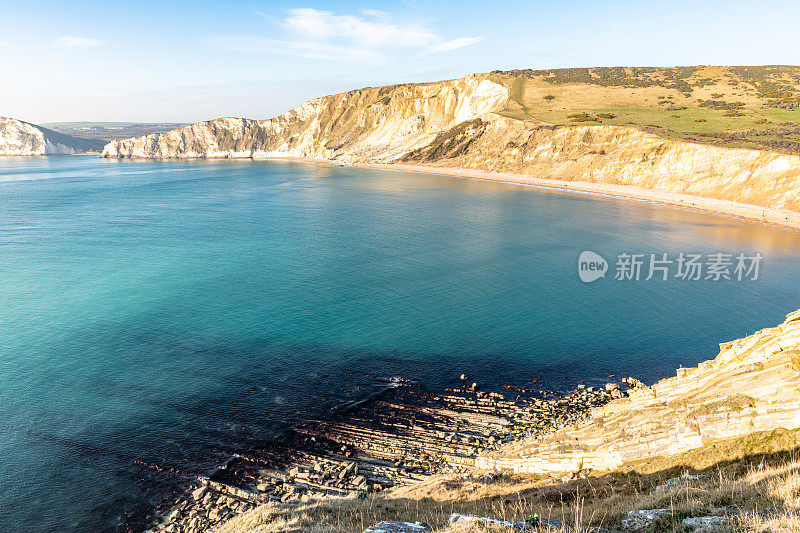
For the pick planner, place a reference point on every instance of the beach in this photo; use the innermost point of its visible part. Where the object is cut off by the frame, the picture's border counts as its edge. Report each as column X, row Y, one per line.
column 780, row 217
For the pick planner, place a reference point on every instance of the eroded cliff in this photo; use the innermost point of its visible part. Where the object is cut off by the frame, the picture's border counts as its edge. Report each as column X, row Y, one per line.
column 376, row 124
column 752, row 385
column 21, row 138
column 617, row 155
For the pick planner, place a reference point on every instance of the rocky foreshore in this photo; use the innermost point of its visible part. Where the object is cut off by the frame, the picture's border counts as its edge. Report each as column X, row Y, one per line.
column 401, row 436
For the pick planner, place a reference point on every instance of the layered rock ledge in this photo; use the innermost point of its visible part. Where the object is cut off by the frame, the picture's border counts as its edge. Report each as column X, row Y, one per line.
column 752, row 385
column 400, row 437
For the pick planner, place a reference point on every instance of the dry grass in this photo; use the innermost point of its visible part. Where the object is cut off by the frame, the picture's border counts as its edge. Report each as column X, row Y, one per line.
column 663, row 108
column 755, row 479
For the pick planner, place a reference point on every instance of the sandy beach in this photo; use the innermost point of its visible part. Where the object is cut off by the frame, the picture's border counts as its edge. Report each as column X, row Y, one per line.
column 780, row 217
column 766, row 215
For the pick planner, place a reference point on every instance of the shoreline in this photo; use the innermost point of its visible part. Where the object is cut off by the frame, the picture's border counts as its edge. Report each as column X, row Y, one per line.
column 400, row 436
column 750, row 212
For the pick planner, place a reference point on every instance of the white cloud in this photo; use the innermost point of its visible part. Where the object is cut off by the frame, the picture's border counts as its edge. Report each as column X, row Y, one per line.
column 72, row 41
column 453, row 44
column 368, row 37
column 312, row 50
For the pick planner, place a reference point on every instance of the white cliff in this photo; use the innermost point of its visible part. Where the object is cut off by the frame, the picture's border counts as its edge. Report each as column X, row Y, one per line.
column 21, row 138
column 618, row 155
column 376, row 124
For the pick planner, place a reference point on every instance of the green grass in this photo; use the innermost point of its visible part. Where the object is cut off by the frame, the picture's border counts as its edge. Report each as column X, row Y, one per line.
column 717, row 105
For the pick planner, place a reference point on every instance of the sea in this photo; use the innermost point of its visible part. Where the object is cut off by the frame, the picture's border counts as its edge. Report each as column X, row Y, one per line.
column 157, row 317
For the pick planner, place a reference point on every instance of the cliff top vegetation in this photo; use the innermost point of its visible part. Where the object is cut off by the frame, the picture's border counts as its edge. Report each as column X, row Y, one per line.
column 743, row 106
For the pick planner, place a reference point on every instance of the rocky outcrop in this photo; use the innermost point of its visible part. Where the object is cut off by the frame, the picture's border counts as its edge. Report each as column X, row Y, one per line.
column 400, row 437
column 21, row 138
column 397, row 527
column 752, row 385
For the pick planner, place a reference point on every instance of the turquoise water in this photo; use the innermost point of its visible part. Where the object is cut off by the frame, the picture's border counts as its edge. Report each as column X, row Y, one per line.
column 174, row 313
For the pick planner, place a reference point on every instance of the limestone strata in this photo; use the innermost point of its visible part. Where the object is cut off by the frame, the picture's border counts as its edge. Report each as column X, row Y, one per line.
column 21, row 138
column 400, row 437
column 752, row 385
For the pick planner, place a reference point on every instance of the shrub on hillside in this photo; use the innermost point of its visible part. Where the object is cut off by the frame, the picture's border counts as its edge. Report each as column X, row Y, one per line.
column 721, row 104
column 583, row 117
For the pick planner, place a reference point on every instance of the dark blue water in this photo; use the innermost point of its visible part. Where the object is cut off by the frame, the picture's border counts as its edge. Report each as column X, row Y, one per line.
column 174, row 313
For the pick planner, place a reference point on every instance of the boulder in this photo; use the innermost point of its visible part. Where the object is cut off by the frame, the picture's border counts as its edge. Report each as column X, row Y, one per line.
column 707, row 524
column 676, row 482
column 539, row 524
column 634, row 383
column 644, row 520
column 396, row 527
column 199, row 492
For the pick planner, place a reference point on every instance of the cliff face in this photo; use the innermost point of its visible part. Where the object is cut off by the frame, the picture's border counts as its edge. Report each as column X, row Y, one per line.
column 752, row 385
column 617, row 155
column 22, row 138
column 455, row 124
column 377, row 124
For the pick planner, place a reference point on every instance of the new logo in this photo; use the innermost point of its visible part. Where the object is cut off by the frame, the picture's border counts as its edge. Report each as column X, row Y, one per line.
column 591, row 266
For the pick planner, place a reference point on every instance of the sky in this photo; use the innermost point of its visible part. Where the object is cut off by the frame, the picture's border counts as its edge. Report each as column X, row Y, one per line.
column 176, row 61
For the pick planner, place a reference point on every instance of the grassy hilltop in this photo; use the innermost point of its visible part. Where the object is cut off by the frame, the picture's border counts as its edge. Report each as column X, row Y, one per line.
column 107, row 131
column 753, row 107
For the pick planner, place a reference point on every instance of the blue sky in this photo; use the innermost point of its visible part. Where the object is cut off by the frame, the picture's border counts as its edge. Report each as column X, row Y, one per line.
column 188, row 61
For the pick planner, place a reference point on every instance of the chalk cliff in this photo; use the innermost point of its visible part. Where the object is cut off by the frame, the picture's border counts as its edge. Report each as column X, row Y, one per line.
column 752, row 385
column 378, row 124
column 21, row 138
column 456, row 123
